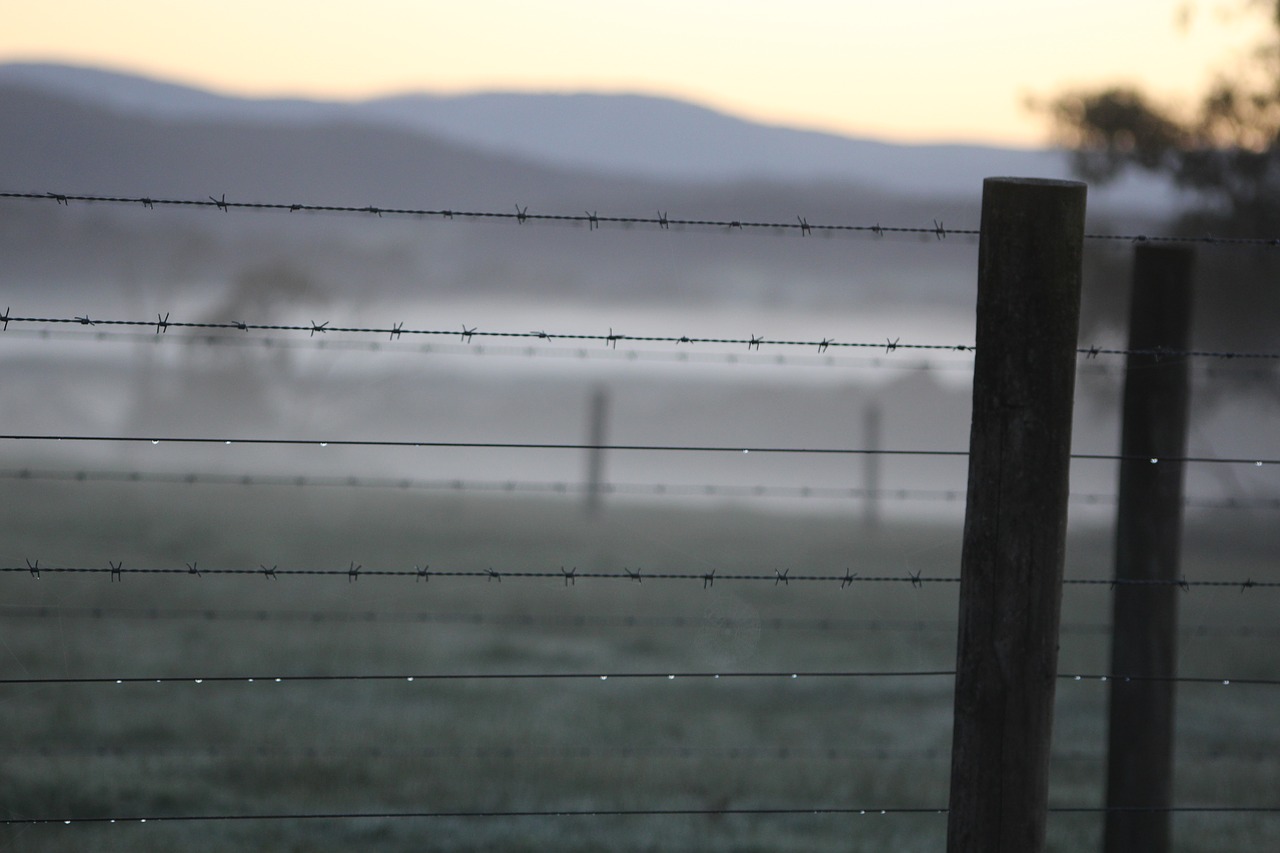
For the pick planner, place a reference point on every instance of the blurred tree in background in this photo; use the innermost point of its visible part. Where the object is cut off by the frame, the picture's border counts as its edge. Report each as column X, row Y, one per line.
column 1226, row 155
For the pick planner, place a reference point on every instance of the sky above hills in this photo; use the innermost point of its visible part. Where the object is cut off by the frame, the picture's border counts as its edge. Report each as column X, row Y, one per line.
column 920, row 71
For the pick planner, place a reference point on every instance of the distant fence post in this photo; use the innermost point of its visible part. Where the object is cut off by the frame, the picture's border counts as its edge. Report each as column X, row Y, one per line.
column 1029, row 263
column 871, row 466
column 596, row 426
column 1148, row 538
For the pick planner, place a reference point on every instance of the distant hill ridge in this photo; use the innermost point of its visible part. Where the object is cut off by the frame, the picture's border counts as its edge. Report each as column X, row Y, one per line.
column 624, row 135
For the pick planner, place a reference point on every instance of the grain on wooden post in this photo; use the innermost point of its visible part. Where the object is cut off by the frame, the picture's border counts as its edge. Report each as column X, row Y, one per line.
column 1148, row 538
column 1029, row 262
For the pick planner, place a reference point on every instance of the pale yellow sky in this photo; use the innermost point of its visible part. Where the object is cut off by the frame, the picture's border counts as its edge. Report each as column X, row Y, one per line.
column 907, row 70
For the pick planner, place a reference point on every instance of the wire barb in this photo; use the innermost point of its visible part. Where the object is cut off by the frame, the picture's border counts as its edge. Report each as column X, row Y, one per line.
column 423, row 574
column 571, row 576
column 221, row 204
column 269, row 574
column 782, row 577
column 162, row 323
column 115, row 570
column 353, row 572
column 709, row 579
column 192, row 570
column 848, row 579
column 34, row 568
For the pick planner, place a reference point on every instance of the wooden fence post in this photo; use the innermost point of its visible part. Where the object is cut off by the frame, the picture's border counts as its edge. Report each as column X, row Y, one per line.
column 1148, row 537
column 1029, row 263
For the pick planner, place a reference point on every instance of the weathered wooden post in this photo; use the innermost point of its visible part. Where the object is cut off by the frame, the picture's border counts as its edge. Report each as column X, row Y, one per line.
column 1148, row 539
column 1029, row 262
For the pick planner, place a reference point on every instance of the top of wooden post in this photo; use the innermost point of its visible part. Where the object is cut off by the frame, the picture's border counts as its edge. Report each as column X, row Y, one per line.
column 1040, row 182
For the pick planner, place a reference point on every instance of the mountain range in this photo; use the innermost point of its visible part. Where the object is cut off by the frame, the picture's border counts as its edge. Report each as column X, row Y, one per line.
column 621, row 136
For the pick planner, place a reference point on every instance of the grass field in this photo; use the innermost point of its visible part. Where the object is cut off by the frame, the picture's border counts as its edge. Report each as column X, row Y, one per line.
column 513, row 745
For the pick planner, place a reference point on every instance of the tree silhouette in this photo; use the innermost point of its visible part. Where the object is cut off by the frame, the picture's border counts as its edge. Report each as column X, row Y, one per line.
column 1226, row 155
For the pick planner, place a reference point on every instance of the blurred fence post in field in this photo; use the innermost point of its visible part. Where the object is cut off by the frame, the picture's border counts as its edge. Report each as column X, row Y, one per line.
column 871, row 466
column 1148, row 538
column 1028, row 309
column 597, row 425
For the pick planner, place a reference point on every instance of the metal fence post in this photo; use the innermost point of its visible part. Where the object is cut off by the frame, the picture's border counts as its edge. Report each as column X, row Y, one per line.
column 1148, row 538
column 1028, row 308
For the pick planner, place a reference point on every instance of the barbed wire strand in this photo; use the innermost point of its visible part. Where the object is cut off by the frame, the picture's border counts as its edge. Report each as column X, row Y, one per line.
column 570, row 577
column 162, row 324
column 664, row 356
column 593, row 220
column 548, row 445
column 562, row 487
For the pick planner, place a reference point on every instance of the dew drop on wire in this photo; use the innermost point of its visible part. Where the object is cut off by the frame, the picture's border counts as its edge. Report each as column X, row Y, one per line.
column 155, row 441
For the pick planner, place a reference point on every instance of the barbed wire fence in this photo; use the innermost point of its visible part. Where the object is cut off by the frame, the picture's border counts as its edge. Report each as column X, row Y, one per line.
column 671, row 347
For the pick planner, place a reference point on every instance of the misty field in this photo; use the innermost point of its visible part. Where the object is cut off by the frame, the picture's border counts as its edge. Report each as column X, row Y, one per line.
column 696, row 743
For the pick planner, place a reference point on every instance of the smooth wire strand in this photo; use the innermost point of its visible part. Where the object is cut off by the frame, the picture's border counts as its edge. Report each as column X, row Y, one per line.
column 577, row 489
column 565, row 752
column 593, row 220
column 667, row 675
column 1257, row 461
column 577, row 620
column 811, row 811
column 162, row 324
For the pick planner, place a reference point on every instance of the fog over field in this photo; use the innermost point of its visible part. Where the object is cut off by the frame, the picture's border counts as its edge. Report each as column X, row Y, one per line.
column 488, row 330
